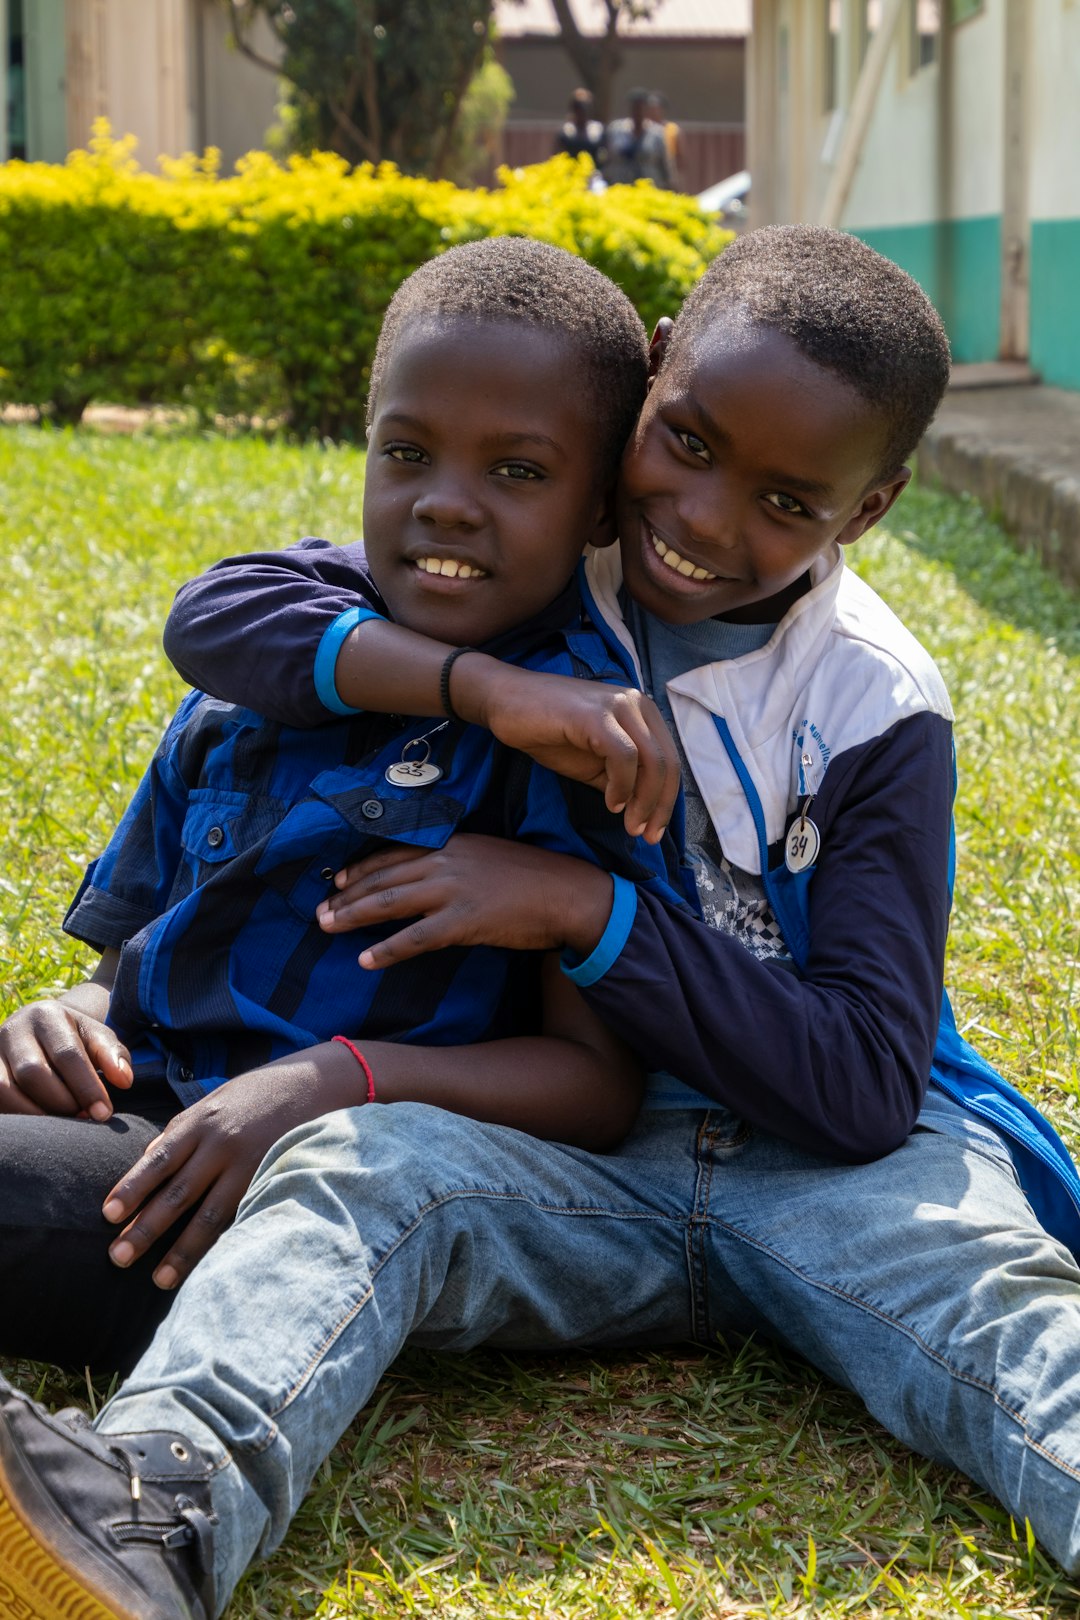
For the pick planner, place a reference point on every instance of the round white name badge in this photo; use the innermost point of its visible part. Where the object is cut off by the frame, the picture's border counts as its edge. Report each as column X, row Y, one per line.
column 802, row 845
column 417, row 771
column 412, row 773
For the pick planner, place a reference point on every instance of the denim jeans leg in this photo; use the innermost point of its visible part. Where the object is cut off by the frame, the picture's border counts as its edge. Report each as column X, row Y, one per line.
column 380, row 1225
column 924, row 1283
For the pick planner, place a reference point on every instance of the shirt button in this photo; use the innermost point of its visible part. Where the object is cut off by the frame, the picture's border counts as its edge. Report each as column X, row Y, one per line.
column 186, row 1074
column 215, row 837
column 372, row 809
column 327, row 874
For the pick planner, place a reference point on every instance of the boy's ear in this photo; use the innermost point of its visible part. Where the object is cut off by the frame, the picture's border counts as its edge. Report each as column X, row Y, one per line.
column 658, row 347
column 874, row 506
column 605, row 531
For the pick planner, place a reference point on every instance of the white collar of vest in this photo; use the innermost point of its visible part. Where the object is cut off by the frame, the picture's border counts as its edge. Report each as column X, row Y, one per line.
column 796, row 643
column 839, row 669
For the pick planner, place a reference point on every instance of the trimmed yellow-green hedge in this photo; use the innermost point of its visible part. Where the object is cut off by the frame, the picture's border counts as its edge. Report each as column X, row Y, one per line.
column 262, row 294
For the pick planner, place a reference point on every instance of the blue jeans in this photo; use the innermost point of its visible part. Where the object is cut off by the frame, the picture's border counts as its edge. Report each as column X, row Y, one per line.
column 922, row 1282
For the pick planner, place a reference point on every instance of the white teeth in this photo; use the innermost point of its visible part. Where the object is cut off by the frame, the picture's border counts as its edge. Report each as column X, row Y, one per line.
column 680, row 565
column 448, row 568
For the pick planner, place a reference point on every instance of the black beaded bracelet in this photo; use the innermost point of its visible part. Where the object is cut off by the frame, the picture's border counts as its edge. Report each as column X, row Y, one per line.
column 444, row 682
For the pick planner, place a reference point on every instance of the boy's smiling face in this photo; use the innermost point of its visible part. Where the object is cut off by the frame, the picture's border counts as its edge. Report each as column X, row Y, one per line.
column 747, row 462
column 481, row 487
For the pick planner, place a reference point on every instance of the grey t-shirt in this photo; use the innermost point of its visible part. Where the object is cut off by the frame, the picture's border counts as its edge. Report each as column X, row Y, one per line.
column 731, row 900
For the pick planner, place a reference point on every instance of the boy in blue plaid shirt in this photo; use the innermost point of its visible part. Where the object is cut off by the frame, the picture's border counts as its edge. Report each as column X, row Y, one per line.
column 219, row 998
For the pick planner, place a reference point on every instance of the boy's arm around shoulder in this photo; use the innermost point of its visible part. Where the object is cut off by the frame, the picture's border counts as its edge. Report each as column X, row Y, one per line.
column 248, row 630
column 298, row 636
column 835, row 1058
column 279, row 632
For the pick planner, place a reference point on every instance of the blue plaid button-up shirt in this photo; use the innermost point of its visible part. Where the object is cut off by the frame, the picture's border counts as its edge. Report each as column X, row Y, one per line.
column 209, row 885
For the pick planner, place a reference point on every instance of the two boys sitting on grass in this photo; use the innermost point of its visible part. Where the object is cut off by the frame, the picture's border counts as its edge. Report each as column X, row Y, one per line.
column 793, row 1174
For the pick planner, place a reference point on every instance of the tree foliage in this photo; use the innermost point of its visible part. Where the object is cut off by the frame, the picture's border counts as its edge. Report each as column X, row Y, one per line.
column 374, row 80
column 261, row 295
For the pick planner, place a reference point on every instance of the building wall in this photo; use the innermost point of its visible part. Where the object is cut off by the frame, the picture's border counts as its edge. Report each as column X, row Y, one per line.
column 237, row 99
column 967, row 176
column 41, row 74
column 1055, row 195
column 129, row 61
column 161, row 70
column 43, row 24
column 928, row 191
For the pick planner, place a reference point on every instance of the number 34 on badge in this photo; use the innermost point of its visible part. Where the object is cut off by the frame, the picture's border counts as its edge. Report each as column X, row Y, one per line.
column 802, row 844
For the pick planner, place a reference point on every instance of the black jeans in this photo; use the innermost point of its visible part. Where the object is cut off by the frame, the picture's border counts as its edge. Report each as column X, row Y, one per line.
column 61, row 1298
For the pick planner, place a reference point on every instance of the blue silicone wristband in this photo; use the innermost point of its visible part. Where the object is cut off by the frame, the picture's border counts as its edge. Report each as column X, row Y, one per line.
column 609, row 946
column 327, row 656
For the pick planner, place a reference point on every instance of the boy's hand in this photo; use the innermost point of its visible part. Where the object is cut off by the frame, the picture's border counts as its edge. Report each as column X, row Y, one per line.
column 473, row 891
column 50, row 1055
column 611, row 737
column 208, row 1154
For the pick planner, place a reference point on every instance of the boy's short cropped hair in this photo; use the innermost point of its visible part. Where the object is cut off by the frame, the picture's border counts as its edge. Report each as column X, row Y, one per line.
column 844, row 307
column 513, row 278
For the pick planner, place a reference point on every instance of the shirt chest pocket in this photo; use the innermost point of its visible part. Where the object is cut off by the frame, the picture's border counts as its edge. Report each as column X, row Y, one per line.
column 220, row 826
column 348, row 816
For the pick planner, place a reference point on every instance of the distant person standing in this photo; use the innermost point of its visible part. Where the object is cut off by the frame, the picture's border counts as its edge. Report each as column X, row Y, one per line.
column 636, row 147
column 657, row 112
column 582, row 132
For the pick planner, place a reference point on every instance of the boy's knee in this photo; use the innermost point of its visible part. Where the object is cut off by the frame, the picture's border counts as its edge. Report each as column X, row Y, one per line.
column 316, row 1144
column 411, row 1144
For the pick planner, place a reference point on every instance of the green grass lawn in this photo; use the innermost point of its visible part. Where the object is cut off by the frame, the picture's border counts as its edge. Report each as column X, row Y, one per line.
column 587, row 1488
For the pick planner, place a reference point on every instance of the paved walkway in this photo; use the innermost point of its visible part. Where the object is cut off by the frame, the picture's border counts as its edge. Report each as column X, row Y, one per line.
column 1015, row 446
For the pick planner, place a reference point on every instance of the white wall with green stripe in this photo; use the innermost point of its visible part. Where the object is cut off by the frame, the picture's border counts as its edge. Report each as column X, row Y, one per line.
column 929, row 188
column 1055, row 194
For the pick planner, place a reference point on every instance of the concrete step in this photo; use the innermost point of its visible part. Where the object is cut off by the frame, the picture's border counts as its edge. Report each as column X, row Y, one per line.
column 1015, row 446
column 992, row 374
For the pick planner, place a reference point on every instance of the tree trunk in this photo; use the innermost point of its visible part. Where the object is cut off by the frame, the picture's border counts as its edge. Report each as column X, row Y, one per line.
column 582, row 52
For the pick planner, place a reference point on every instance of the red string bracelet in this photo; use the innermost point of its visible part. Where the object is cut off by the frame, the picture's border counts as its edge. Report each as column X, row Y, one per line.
column 363, row 1062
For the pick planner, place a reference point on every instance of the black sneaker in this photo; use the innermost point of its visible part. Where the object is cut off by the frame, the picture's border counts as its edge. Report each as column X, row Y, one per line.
column 100, row 1527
